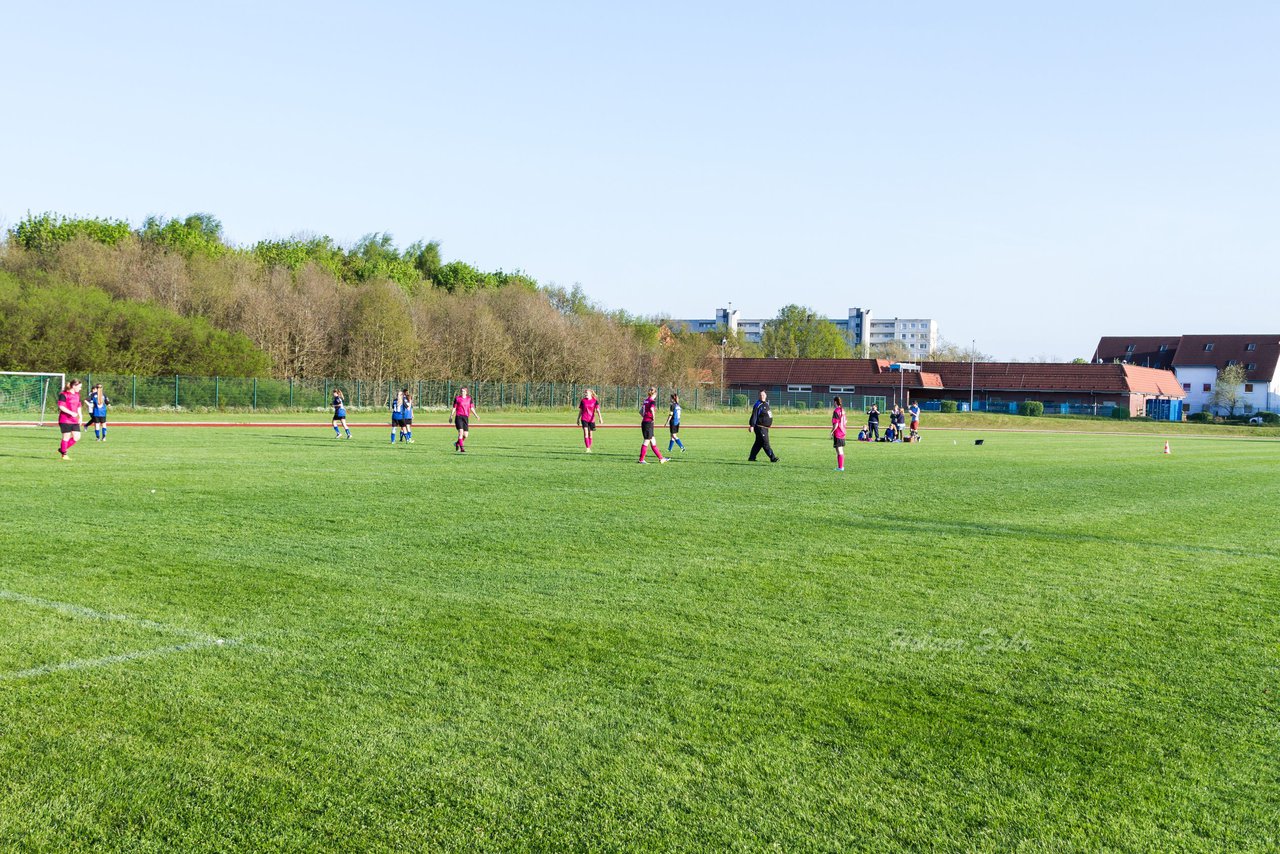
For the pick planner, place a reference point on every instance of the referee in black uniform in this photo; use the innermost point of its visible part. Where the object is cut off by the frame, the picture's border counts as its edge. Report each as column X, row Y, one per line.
column 761, row 421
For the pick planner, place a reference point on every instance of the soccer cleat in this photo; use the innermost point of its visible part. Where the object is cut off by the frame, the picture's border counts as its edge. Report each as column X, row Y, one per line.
column 662, row 459
column 643, row 462
column 775, row 459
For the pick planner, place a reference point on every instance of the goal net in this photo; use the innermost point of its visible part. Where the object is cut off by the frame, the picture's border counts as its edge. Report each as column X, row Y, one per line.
column 29, row 398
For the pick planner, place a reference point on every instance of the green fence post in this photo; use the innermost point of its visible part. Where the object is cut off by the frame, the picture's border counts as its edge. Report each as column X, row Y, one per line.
column 291, row 392
column 135, row 392
column 217, row 388
column 255, row 393
column 175, row 391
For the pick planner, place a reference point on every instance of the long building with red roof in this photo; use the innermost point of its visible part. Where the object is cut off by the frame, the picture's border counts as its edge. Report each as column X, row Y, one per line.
column 996, row 386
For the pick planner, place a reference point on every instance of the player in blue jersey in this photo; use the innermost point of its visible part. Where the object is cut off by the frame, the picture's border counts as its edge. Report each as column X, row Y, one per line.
column 397, row 414
column 340, row 414
column 406, row 417
column 98, row 403
column 673, row 423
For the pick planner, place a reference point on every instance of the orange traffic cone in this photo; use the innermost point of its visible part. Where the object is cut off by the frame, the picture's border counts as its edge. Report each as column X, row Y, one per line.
column 1166, row 448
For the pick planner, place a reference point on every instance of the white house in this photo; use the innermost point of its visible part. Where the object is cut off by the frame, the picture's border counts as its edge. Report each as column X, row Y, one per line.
column 1196, row 359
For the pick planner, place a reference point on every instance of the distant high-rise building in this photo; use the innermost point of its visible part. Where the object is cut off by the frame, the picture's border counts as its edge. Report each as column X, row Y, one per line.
column 918, row 334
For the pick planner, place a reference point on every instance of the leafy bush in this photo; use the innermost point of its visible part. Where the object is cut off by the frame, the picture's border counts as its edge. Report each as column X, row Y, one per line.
column 1269, row 417
column 799, row 404
column 739, row 400
column 949, row 406
column 1201, row 417
column 1120, row 413
column 1033, row 408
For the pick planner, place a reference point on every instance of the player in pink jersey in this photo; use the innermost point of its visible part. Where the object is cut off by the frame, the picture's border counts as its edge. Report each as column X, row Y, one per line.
column 838, row 425
column 589, row 416
column 69, row 416
column 647, row 410
column 463, row 408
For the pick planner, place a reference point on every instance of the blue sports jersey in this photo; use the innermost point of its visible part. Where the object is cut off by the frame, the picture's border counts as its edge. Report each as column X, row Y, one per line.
column 97, row 405
column 397, row 408
column 675, row 415
column 406, row 412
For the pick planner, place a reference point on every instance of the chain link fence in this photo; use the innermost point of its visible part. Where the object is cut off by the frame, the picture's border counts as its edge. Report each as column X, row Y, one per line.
column 234, row 393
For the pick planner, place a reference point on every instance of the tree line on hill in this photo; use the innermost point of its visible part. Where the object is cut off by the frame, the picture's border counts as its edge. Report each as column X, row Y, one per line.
column 174, row 296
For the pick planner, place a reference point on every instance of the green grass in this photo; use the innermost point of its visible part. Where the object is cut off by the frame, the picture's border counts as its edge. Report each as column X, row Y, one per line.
column 1049, row 642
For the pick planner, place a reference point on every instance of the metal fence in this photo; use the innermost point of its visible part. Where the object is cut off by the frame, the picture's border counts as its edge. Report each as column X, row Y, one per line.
column 190, row 392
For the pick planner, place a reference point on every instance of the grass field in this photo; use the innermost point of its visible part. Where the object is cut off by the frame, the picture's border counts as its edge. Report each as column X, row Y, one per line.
column 1044, row 643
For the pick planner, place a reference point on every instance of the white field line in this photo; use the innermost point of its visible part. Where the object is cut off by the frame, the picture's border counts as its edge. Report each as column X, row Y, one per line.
column 198, row 640
column 105, row 661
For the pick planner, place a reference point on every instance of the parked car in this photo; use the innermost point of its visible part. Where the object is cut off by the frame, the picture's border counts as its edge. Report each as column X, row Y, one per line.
column 1257, row 419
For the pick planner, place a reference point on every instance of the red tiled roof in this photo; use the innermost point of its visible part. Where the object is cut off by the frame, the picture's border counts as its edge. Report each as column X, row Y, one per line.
column 987, row 376
column 1146, row 350
column 1155, row 381
column 1232, row 348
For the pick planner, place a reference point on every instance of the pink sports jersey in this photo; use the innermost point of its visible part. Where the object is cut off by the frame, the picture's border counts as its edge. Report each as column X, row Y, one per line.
column 650, row 405
column 838, row 422
column 587, row 409
column 462, row 406
column 71, row 401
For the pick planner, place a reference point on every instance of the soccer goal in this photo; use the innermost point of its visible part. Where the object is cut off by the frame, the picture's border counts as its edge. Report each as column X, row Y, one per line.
column 29, row 398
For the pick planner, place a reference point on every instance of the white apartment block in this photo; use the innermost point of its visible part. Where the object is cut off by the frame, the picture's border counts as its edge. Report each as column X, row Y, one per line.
column 863, row 330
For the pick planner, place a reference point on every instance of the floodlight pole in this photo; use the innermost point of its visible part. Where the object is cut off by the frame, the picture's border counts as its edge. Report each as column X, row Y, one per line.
column 973, row 353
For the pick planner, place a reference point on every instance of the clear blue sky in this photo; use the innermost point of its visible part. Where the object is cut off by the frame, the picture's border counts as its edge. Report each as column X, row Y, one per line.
column 1032, row 175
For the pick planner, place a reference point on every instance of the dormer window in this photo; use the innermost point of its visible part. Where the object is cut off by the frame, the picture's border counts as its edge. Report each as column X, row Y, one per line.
column 1208, row 348
column 1252, row 366
column 1164, row 347
column 1131, row 348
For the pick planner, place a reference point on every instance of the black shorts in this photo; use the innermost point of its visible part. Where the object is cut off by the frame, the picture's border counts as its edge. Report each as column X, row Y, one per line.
column 674, row 428
column 461, row 422
column 340, row 415
column 589, row 426
column 68, row 428
column 646, row 429
column 837, row 443
column 97, row 419
column 396, row 422
column 406, row 422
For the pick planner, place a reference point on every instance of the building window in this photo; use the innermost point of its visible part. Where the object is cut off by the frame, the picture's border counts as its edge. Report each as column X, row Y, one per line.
column 1131, row 348
column 1252, row 366
column 1231, row 362
column 800, row 388
column 1251, row 346
column 1208, row 387
column 841, row 389
column 1248, row 388
column 1208, row 348
column 1164, row 347
column 1186, row 386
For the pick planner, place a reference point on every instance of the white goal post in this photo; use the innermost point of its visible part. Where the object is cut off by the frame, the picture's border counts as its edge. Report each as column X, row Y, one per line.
column 29, row 398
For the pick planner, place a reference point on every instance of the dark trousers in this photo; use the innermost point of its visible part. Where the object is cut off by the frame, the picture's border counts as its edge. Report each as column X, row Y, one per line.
column 874, row 430
column 762, row 444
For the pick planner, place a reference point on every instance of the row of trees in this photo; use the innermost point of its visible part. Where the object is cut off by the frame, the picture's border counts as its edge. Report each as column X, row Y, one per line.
column 308, row 307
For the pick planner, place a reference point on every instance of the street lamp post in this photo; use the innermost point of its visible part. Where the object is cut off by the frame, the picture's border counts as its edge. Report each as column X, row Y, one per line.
column 973, row 354
column 723, row 341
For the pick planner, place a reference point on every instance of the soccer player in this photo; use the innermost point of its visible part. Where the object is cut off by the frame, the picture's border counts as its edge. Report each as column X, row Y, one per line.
column 915, row 422
column 406, row 417
column 340, row 414
column 673, row 423
column 98, row 403
column 463, row 408
column 646, row 426
column 69, row 416
column 397, row 414
column 761, row 421
column 838, row 425
column 589, row 415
